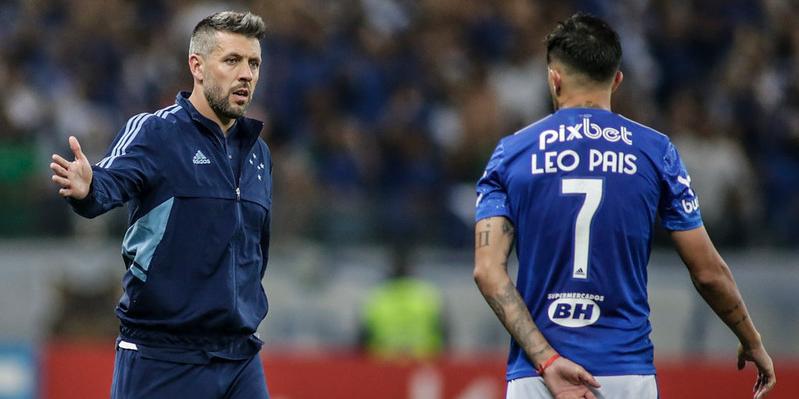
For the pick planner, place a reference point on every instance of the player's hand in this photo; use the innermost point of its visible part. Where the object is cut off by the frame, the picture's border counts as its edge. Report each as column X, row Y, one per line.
column 75, row 178
column 568, row 380
column 765, row 368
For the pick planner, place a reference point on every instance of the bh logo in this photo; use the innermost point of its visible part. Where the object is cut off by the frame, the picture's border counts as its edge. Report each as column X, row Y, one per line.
column 574, row 312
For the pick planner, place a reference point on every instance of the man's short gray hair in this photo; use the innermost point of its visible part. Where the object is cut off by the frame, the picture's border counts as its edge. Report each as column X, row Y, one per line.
column 244, row 23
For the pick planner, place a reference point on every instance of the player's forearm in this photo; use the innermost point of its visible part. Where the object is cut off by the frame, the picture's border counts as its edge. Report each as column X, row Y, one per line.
column 507, row 304
column 493, row 243
column 714, row 281
column 723, row 296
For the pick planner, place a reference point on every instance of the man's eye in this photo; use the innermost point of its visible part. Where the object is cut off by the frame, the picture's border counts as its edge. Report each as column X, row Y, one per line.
column 255, row 64
column 231, row 61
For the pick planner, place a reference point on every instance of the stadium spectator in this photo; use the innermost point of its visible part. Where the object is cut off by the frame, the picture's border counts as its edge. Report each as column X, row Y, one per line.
column 403, row 317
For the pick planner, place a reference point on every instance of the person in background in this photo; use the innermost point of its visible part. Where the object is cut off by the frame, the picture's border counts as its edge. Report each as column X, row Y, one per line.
column 403, row 317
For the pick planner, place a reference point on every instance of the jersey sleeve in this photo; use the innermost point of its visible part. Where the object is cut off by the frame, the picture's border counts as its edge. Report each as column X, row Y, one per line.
column 679, row 205
column 125, row 170
column 492, row 197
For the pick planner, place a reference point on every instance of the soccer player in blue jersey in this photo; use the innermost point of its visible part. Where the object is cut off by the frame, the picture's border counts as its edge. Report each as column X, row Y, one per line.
column 578, row 193
column 197, row 178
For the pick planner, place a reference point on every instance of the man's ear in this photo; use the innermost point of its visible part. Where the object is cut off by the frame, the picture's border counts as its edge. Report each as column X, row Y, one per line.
column 617, row 81
column 555, row 81
column 196, row 67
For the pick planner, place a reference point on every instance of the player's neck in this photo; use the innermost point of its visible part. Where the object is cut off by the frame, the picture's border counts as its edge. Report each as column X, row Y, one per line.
column 198, row 100
column 584, row 100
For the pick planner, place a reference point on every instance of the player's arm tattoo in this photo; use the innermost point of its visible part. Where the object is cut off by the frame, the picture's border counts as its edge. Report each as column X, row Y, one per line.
column 728, row 312
column 730, row 317
column 481, row 238
column 504, row 299
column 739, row 321
column 514, row 315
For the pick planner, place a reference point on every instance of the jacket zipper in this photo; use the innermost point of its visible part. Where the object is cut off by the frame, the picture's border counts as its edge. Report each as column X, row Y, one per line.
column 239, row 224
column 233, row 249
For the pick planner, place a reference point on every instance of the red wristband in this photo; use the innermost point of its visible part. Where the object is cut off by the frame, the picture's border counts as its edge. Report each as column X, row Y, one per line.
column 547, row 363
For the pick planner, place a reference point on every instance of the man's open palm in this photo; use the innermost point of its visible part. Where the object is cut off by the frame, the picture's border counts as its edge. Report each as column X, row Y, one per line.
column 74, row 177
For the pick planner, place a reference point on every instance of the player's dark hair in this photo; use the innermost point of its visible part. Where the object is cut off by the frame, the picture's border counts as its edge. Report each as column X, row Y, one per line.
column 243, row 23
column 586, row 44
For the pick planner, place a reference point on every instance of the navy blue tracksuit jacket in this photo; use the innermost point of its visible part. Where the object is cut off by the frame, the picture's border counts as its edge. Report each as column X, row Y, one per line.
column 197, row 244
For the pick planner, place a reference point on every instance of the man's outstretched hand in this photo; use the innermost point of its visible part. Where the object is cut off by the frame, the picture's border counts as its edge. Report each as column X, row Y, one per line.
column 568, row 380
column 765, row 369
column 74, row 178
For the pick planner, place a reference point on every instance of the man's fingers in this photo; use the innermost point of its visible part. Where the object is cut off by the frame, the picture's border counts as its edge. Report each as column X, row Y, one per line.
column 64, row 192
column 590, row 395
column 764, row 384
column 588, row 379
column 75, row 147
column 61, row 161
column 770, row 382
column 61, row 181
column 57, row 169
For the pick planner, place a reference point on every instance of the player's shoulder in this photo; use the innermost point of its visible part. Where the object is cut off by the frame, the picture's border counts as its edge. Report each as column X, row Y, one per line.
column 644, row 132
column 150, row 120
column 167, row 115
column 529, row 130
column 145, row 127
column 526, row 135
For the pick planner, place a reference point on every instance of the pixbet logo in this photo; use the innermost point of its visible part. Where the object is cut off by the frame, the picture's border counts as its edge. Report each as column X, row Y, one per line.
column 574, row 312
column 586, row 129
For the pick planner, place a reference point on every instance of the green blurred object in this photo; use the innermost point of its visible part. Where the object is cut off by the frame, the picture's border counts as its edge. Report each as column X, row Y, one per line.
column 403, row 320
column 17, row 212
column 16, row 162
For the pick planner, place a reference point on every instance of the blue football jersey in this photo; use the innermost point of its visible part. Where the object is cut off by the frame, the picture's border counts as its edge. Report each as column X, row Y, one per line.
column 583, row 188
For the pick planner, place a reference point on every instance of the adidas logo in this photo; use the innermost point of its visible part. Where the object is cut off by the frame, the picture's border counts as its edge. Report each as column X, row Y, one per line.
column 200, row 158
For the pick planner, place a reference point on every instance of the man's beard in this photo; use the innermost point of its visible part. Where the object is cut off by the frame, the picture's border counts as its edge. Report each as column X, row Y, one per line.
column 220, row 104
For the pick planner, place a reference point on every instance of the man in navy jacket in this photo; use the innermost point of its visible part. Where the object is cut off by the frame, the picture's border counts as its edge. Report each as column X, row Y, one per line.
column 197, row 180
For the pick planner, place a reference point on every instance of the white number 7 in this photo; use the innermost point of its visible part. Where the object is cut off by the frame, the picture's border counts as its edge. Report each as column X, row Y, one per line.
column 592, row 188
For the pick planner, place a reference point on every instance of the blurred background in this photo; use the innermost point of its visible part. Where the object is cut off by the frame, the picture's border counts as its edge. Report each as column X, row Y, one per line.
column 381, row 115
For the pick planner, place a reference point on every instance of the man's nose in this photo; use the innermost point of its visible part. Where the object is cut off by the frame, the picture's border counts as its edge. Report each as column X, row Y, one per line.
column 245, row 73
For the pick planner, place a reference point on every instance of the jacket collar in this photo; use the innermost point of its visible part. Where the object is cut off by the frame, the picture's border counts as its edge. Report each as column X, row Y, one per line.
column 250, row 128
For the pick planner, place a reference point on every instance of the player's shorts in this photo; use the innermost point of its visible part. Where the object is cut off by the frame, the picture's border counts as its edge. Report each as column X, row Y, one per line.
column 613, row 387
column 139, row 376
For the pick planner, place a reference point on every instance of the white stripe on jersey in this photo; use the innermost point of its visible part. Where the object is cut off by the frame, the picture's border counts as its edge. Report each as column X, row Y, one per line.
column 130, row 126
column 125, row 141
column 166, row 110
column 172, row 112
column 131, row 130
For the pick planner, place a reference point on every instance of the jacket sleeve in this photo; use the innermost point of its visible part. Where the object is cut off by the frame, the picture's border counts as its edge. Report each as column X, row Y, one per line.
column 126, row 170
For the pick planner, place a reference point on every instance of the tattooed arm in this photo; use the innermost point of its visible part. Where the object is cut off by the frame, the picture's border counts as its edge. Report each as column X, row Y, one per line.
column 714, row 281
column 493, row 242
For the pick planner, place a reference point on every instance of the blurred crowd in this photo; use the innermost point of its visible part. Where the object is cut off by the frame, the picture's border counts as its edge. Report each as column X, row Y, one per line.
column 381, row 114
